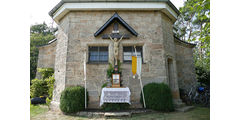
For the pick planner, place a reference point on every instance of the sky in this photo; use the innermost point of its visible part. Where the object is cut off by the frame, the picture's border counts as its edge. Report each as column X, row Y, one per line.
column 40, row 8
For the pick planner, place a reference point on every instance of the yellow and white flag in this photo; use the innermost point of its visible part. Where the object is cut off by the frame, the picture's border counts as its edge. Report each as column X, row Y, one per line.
column 136, row 65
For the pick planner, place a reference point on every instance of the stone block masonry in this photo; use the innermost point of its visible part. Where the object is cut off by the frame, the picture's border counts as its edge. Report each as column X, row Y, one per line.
column 76, row 33
column 46, row 57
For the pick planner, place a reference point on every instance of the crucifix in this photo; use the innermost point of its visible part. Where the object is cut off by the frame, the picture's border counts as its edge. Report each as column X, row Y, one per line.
column 116, row 37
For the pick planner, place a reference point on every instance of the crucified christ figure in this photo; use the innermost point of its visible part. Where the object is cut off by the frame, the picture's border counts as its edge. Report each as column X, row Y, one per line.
column 116, row 45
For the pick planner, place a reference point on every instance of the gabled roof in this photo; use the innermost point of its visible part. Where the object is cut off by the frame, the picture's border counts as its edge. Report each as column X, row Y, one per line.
column 120, row 20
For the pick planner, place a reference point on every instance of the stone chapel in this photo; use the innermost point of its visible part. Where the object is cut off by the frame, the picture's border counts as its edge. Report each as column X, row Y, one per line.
column 87, row 26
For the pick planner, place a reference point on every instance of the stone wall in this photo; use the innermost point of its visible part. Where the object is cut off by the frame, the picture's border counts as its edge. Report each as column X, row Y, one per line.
column 185, row 65
column 46, row 57
column 60, row 60
column 75, row 35
column 82, row 26
column 170, row 56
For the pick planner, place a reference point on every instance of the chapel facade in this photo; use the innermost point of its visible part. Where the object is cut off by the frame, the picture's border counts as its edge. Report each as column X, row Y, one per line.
column 87, row 27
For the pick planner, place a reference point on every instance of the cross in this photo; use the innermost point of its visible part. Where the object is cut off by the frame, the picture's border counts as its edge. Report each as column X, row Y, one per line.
column 115, row 33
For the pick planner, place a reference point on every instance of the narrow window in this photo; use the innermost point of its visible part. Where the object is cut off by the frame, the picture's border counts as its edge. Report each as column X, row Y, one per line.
column 129, row 51
column 98, row 54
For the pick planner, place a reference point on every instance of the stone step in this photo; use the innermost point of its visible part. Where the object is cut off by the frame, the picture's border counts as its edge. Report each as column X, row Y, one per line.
column 180, row 105
column 184, row 109
column 117, row 114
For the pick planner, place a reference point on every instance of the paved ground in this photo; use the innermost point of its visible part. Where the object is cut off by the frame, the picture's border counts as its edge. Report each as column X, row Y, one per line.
column 198, row 113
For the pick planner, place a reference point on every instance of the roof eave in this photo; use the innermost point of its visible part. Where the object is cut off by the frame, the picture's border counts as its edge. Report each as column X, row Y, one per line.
column 61, row 3
column 184, row 42
column 49, row 43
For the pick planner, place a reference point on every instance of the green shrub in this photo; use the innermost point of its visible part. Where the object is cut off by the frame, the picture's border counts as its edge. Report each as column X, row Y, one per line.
column 115, row 106
column 72, row 99
column 158, row 97
column 45, row 72
column 110, row 69
column 48, row 102
column 45, row 86
column 50, row 83
column 104, row 85
column 38, row 88
column 203, row 75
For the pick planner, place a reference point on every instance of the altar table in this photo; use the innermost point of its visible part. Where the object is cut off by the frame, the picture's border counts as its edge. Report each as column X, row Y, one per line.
column 115, row 95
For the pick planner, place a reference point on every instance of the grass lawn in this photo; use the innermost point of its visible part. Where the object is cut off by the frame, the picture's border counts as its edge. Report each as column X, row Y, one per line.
column 37, row 109
column 198, row 113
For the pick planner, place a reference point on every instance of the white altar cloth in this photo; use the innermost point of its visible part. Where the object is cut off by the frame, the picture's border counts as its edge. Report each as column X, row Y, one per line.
column 115, row 95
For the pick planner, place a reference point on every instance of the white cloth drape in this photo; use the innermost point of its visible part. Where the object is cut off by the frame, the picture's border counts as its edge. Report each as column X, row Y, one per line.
column 115, row 95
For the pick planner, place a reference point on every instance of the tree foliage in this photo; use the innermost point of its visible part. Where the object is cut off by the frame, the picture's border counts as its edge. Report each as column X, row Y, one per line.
column 193, row 25
column 38, row 88
column 40, row 34
column 46, row 72
column 203, row 75
column 42, row 29
column 44, row 86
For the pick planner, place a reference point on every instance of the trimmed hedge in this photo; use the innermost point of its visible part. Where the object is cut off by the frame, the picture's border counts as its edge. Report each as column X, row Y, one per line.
column 72, row 99
column 158, row 97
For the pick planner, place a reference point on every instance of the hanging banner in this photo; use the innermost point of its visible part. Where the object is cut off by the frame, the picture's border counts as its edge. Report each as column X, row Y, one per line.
column 139, row 66
column 134, row 65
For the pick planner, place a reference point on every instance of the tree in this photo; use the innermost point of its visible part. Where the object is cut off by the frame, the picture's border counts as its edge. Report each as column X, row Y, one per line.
column 42, row 28
column 193, row 25
column 40, row 34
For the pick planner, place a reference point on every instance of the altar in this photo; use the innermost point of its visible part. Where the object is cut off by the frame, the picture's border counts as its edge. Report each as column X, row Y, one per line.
column 115, row 95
